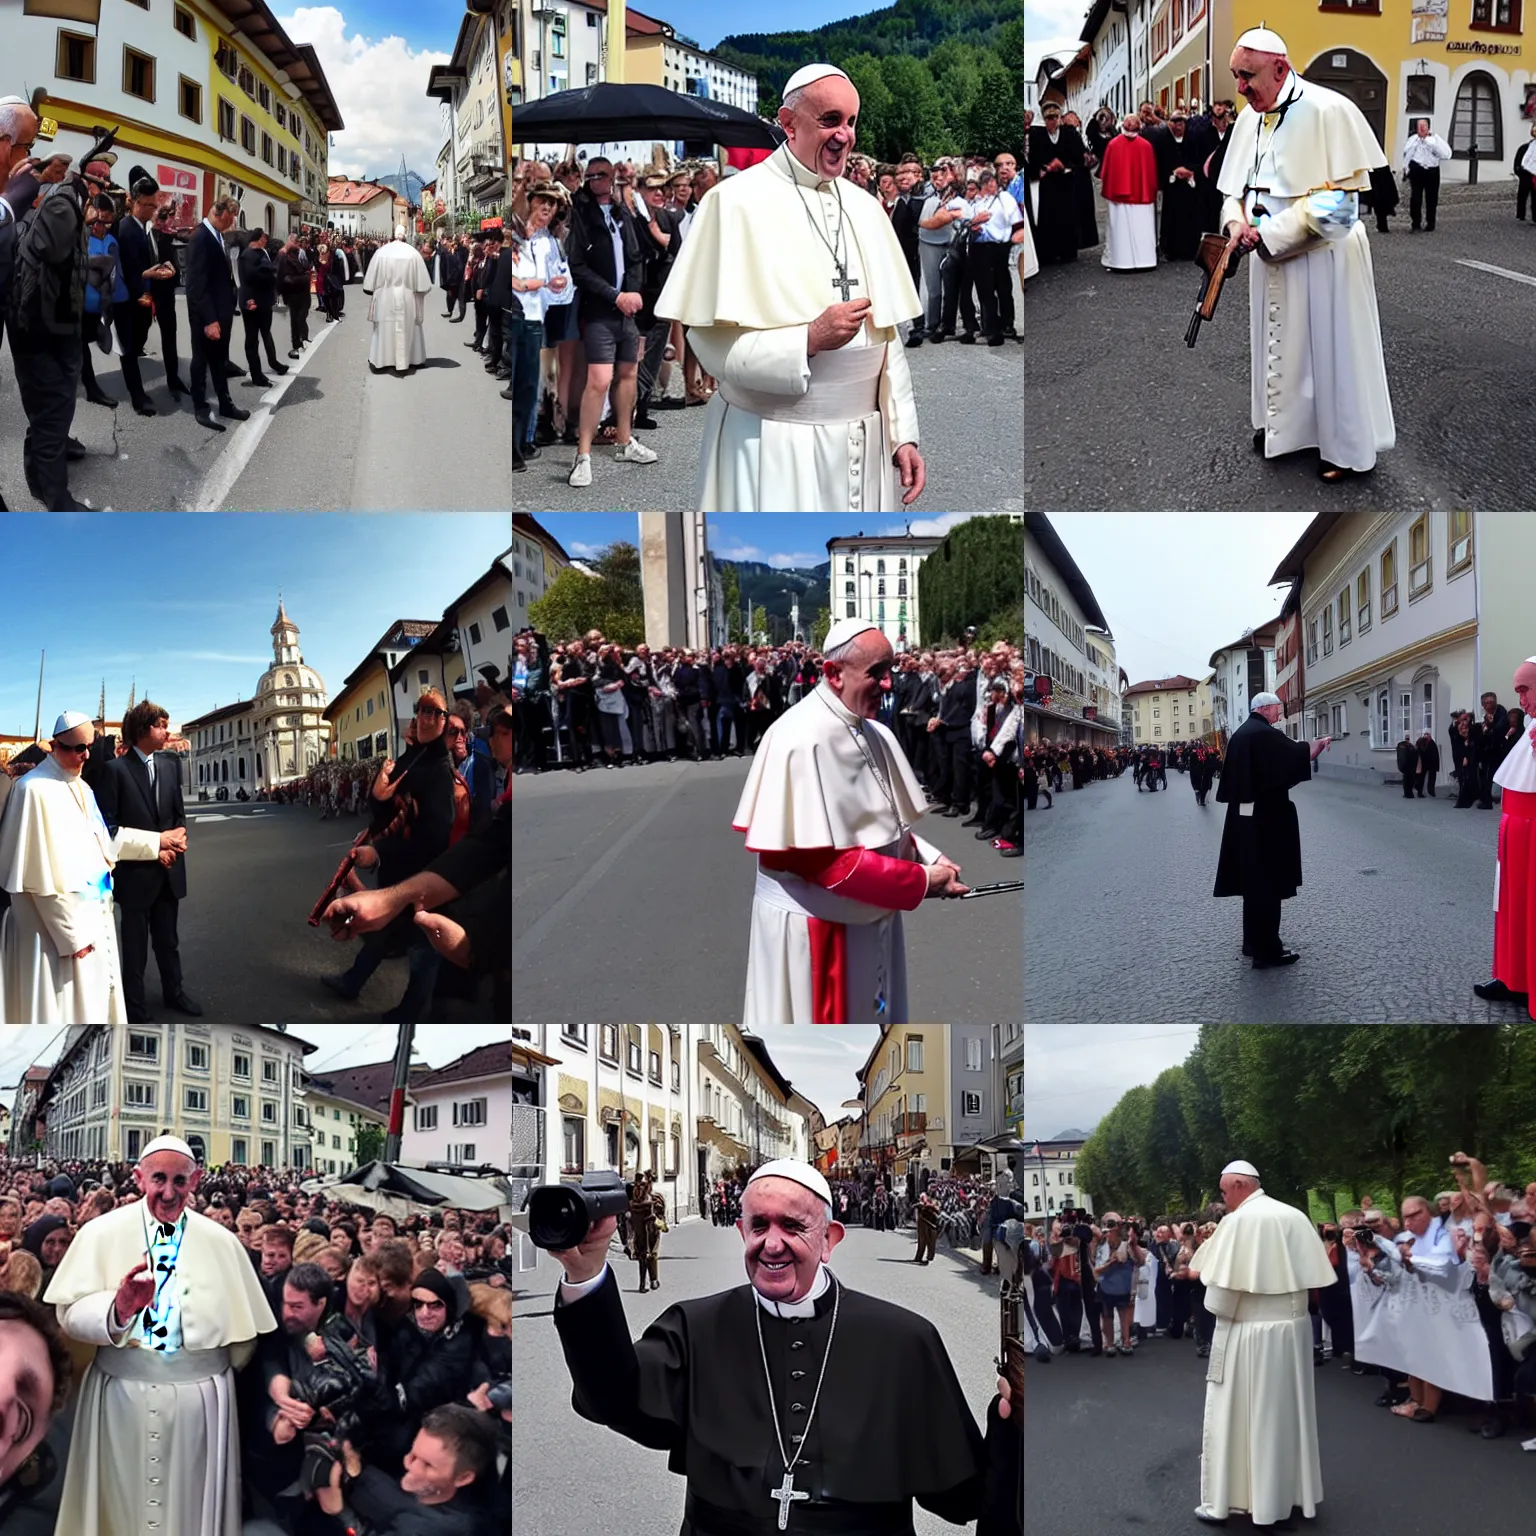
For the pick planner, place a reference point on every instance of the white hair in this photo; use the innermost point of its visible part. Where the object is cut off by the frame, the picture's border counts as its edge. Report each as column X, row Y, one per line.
column 399, row 231
column 845, row 651
column 11, row 108
column 792, row 101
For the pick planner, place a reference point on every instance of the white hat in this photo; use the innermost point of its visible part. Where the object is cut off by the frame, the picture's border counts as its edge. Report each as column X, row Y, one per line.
column 844, row 631
column 69, row 720
column 1247, row 1170
column 169, row 1144
column 1260, row 700
column 1261, row 40
column 801, row 1173
column 809, row 74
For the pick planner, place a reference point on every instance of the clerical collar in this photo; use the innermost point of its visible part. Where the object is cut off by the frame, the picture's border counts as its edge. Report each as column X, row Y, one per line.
column 840, row 709
column 806, row 1307
column 803, row 174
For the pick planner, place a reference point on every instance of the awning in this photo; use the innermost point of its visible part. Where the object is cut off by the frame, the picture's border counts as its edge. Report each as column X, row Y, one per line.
column 400, row 1191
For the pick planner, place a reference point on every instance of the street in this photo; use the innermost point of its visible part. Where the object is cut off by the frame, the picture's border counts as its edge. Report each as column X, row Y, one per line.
column 330, row 436
column 1393, row 920
column 1114, row 1444
column 632, row 897
column 1118, row 413
column 571, row 1477
column 247, row 954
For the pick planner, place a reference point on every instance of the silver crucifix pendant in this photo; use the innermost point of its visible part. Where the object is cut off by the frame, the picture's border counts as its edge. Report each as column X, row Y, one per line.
column 844, row 282
column 785, row 1494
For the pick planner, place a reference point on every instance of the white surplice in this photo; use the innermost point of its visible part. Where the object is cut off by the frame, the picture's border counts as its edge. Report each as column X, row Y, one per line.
column 1031, row 259
column 398, row 282
column 786, row 432
column 156, row 1435
column 1318, row 378
column 56, row 857
column 1259, row 1447
column 810, row 786
column 1130, row 244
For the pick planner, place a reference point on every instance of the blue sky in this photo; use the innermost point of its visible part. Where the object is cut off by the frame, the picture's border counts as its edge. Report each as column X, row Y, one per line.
column 183, row 603
column 775, row 538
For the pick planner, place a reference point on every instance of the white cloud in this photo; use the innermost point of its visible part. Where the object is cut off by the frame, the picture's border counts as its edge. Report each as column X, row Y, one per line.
column 934, row 527
column 584, row 551
column 380, row 88
column 1051, row 28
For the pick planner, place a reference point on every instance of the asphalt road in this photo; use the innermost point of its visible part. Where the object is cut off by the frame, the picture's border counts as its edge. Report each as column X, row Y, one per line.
column 571, row 1477
column 1114, row 1445
column 968, row 418
column 248, row 956
column 1118, row 413
column 632, row 898
column 1393, row 921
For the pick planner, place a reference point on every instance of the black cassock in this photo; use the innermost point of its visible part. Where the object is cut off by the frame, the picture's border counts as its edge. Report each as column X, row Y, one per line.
column 1261, row 852
column 1213, row 151
column 1057, row 219
column 892, row 1424
column 1182, row 214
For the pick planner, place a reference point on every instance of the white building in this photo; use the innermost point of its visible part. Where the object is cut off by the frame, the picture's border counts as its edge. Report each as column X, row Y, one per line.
column 1107, row 81
column 1406, row 617
column 1103, row 678
column 361, row 209
column 471, row 87
column 684, row 604
column 1059, row 702
column 875, row 579
column 1049, row 1182
column 537, row 559
column 462, row 1112
column 342, row 1102
column 1242, row 670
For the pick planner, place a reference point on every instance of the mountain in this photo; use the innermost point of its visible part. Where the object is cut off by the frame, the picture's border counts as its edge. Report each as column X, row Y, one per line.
column 408, row 186
column 769, row 586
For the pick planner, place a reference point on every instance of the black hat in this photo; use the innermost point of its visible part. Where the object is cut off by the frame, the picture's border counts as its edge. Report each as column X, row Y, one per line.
column 61, row 1185
column 438, row 1283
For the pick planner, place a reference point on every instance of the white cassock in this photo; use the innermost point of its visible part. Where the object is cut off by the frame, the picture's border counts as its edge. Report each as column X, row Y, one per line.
column 156, row 1440
column 828, row 808
column 1130, row 240
column 1259, row 1450
column 1318, row 377
column 786, row 432
column 398, row 281
column 56, row 859
column 1030, row 261
column 1144, row 1314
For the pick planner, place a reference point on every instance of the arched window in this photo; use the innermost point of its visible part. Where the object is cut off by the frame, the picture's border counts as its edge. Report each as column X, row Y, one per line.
column 1476, row 119
column 271, row 220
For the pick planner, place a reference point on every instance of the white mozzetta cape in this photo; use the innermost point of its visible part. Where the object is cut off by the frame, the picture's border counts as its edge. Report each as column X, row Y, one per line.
column 1266, row 1247
column 1323, row 138
column 398, row 282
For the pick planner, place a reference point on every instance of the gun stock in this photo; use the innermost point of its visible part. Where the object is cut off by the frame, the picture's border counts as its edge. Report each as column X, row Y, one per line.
column 1010, row 1361
column 1217, row 263
column 348, row 863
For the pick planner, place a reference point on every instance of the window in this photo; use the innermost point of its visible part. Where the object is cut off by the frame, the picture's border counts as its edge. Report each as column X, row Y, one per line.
column 1495, row 16
column 970, row 1104
column 145, row 1047
column 269, row 1153
column 197, row 1057
column 915, row 1053
column 499, row 615
column 1363, row 599
column 848, row 565
column 280, row 112
column 139, row 1095
column 474, row 634
column 632, row 1054
column 1157, row 714
column 1311, row 640
column 245, row 76
column 335, row 1142
column 189, row 99
column 1460, row 541
column 266, row 147
column 1389, row 580
column 654, row 1064
column 470, row 1112
column 227, row 60
column 248, row 135
column 138, row 75
column 268, row 1112
column 237, row 1150
column 195, row 1101
column 1338, row 721
column 1328, row 630
column 1344, row 617
column 574, row 1034
column 1383, row 721
column 1477, row 116
column 76, row 58
column 1420, row 566
column 1427, row 708
column 264, row 95
column 1157, row 730
column 269, row 1071
column 461, row 1152
column 226, row 121
column 240, row 1107
column 426, row 1117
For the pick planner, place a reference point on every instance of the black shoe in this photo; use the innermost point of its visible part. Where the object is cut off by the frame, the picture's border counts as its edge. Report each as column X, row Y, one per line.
column 67, row 503
column 1497, row 992
column 1285, row 957
column 914, row 341
column 968, row 340
column 184, row 1004
column 972, row 821
column 1012, row 853
column 1248, row 951
column 204, row 418
column 74, row 449
column 339, row 986
column 954, row 810
column 519, row 464
column 474, row 346
column 279, row 368
column 506, row 394
column 232, row 412
column 937, row 337
column 645, row 422
column 994, row 341
column 293, row 352
column 532, row 453
column 1258, row 440
column 569, row 438
column 142, row 406
column 503, row 374
column 259, row 381
column 984, row 836
column 177, row 388
column 101, row 397
column 234, row 371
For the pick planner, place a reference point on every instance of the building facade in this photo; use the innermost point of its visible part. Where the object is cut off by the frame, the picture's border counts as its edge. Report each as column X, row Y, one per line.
column 462, row 1112
column 223, row 750
column 288, row 713
column 362, row 724
column 1181, row 73
column 1169, row 709
column 233, row 1095
column 875, row 579
column 905, row 1086
column 537, row 559
column 211, row 97
column 1240, row 671
column 1049, row 1183
column 655, row 55
column 361, row 209
column 680, row 581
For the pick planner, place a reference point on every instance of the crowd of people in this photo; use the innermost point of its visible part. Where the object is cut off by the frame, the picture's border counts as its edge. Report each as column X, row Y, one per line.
column 958, row 713
column 564, row 297
column 392, row 1352
column 1106, row 1285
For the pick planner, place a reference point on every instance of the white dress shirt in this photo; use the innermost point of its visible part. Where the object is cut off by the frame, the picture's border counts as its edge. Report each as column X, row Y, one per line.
column 1428, row 151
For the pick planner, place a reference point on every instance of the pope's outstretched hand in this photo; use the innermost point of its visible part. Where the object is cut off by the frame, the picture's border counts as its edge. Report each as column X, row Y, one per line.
column 944, row 880
column 136, row 1292
column 585, row 1261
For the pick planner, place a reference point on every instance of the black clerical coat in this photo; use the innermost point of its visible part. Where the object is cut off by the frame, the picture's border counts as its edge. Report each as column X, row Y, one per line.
column 1183, row 219
column 1214, row 147
column 892, row 1424
column 1056, row 219
column 1261, row 851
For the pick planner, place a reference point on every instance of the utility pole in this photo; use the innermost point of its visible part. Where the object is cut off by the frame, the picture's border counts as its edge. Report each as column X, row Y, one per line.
column 397, row 1094
column 37, row 719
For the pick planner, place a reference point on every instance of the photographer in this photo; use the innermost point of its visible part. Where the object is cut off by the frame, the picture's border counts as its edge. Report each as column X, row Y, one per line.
column 1115, row 1261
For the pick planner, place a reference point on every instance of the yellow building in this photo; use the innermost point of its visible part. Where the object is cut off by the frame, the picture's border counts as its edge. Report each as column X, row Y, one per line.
column 905, row 1072
column 361, row 722
column 1170, row 709
column 1463, row 64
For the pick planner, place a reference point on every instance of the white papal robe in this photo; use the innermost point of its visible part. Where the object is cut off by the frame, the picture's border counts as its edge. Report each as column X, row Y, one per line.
column 1318, row 378
column 815, row 951
column 1130, row 240
column 56, row 858
column 786, row 432
column 398, row 282
column 156, row 1444
column 1259, row 1447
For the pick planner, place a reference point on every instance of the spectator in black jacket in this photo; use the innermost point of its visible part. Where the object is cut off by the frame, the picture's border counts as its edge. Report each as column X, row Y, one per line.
column 258, row 298
column 292, row 276
column 432, row 1360
column 952, row 731
column 211, row 313
column 729, row 678
column 606, row 265
column 685, row 684
column 1429, row 766
column 139, row 261
column 496, row 287
column 659, row 229
column 1493, row 730
column 163, row 291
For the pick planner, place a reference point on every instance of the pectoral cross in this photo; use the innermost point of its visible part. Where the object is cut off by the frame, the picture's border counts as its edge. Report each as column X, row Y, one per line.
column 785, row 1494
column 843, row 281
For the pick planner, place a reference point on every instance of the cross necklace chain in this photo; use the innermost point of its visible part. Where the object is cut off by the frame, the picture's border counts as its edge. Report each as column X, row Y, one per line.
column 839, row 236
column 786, row 1493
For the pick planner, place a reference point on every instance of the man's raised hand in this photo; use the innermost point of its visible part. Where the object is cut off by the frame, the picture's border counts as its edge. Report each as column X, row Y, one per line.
column 585, row 1261
column 136, row 1292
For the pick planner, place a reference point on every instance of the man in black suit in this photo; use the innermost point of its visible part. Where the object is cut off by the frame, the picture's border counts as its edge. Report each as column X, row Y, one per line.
column 163, row 291
column 292, row 272
column 211, row 313
column 142, row 788
column 952, row 732
column 1491, row 738
column 258, row 298
column 141, row 265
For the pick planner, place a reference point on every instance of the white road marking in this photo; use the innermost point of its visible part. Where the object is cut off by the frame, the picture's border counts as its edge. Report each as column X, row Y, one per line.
column 231, row 464
column 1482, row 266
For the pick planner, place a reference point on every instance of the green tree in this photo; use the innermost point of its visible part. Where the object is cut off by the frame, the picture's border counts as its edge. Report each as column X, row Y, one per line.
column 730, row 588
column 577, row 603
column 819, row 627
column 759, row 622
column 914, row 122
column 995, row 122
column 370, row 1144
column 875, row 102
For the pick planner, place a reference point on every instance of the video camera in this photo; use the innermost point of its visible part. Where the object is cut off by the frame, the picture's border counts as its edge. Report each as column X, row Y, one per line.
column 561, row 1215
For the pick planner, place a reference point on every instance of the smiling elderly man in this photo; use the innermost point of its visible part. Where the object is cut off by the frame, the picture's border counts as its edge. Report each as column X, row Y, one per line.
column 847, row 1410
column 792, row 289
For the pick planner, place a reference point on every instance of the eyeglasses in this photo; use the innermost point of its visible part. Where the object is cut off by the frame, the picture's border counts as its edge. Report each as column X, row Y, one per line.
column 454, row 730
column 429, row 711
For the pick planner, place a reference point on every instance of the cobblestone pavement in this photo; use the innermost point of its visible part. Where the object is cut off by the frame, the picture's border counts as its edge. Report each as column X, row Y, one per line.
column 1393, row 921
column 571, row 1478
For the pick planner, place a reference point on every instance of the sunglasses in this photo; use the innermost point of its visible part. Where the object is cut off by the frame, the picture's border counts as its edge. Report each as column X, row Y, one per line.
column 72, row 746
column 599, row 175
column 431, row 1306
column 429, row 711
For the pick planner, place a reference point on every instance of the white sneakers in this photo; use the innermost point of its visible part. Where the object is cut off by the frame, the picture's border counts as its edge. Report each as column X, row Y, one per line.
column 633, row 452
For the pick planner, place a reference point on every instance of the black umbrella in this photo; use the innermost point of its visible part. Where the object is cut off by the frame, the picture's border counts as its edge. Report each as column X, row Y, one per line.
column 609, row 113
